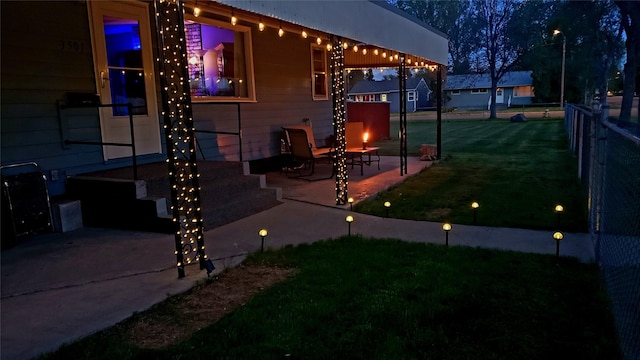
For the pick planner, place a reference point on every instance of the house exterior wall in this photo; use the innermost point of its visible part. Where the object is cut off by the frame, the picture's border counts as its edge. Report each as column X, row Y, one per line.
column 423, row 96
column 283, row 97
column 41, row 64
column 394, row 99
column 516, row 100
column 468, row 100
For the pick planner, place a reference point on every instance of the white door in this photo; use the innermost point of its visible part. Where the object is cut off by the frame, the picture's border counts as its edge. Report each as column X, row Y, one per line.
column 499, row 96
column 124, row 74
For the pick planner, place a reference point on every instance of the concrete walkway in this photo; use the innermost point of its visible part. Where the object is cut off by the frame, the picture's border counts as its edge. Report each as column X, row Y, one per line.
column 57, row 288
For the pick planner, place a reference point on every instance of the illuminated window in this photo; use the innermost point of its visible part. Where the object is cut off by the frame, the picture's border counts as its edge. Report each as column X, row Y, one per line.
column 523, row 91
column 220, row 63
column 319, row 72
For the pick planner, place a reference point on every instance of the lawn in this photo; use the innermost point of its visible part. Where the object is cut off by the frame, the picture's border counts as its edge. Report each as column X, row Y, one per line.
column 517, row 172
column 356, row 298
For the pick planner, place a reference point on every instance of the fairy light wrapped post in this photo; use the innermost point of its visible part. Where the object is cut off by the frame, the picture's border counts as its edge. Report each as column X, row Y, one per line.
column 337, row 92
column 179, row 134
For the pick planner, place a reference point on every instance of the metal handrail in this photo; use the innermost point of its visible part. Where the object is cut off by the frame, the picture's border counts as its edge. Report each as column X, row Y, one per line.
column 132, row 145
column 238, row 133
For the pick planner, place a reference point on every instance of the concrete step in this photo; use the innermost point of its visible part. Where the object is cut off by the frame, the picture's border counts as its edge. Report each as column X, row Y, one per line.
column 117, row 202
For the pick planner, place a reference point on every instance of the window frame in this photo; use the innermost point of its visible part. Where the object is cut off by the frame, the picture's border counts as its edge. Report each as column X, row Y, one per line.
column 248, row 56
column 411, row 95
column 455, row 92
column 323, row 51
column 479, row 91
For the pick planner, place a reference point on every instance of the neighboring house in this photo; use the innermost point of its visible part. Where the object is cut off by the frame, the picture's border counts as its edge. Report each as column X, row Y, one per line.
column 417, row 93
column 244, row 77
column 473, row 91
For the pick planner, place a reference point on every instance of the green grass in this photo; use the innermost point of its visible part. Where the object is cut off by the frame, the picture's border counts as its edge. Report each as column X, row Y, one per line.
column 517, row 172
column 356, row 298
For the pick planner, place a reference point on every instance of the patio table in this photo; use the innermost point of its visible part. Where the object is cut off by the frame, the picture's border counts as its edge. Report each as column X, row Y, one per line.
column 361, row 157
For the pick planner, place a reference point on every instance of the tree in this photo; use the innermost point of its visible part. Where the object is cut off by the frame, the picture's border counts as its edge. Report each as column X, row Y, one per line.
column 630, row 21
column 498, row 52
column 452, row 18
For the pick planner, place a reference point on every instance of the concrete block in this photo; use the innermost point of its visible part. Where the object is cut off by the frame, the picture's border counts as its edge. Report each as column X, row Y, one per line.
column 67, row 216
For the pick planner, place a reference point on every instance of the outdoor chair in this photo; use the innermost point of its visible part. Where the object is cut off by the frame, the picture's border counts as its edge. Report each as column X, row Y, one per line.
column 304, row 155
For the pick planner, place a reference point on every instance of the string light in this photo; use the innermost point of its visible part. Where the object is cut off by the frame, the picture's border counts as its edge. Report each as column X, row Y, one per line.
column 339, row 119
column 178, row 124
column 261, row 26
column 304, row 34
column 280, row 31
column 364, row 51
column 329, row 47
column 384, row 54
column 234, row 19
column 196, row 10
column 375, row 52
column 318, row 40
column 355, row 48
column 345, row 45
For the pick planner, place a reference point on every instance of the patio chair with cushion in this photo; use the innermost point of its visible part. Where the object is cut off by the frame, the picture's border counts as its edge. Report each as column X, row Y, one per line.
column 304, row 155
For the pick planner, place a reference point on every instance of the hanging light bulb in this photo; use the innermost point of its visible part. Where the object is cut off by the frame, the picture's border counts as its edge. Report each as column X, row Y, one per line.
column 355, row 48
column 345, row 45
column 319, row 41
column 234, row 19
column 384, row 54
column 395, row 56
column 280, row 31
column 364, row 51
column 261, row 25
column 196, row 10
column 304, row 34
column 329, row 47
column 375, row 52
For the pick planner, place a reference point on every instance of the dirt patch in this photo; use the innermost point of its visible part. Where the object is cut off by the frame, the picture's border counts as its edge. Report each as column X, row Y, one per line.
column 180, row 316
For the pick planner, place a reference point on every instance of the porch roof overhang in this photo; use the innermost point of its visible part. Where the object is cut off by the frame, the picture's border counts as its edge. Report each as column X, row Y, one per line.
column 369, row 24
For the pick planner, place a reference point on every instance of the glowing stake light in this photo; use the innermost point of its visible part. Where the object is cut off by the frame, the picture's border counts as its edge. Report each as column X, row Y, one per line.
column 263, row 233
column 350, row 201
column 557, row 236
column 387, row 206
column 349, row 219
column 446, row 227
column 474, row 207
column 559, row 209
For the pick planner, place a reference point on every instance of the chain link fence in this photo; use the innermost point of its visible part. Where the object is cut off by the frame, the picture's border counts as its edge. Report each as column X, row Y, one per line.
column 609, row 165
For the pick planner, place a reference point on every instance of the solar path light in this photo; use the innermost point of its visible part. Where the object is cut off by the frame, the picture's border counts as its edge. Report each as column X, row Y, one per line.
column 349, row 219
column 446, row 227
column 263, row 233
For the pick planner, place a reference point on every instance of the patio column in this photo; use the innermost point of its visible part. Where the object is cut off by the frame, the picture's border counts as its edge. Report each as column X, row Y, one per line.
column 338, row 95
column 439, row 113
column 179, row 135
column 402, row 68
